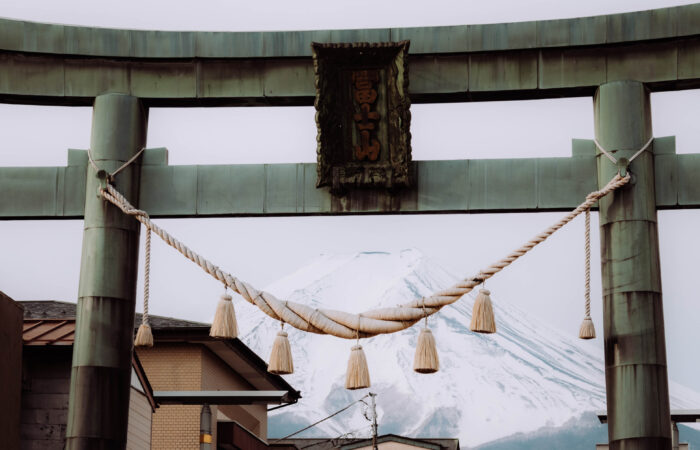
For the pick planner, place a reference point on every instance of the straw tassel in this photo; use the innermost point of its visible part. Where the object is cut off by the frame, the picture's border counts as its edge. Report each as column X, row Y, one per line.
column 224, row 324
column 281, row 356
column 357, row 376
column 144, row 335
column 426, row 359
column 587, row 330
column 483, row 320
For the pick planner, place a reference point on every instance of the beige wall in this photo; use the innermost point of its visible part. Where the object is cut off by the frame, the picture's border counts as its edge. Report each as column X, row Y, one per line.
column 216, row 375
column 174, row 367
column 176, row 427
column 138, row 435
column 179, row 367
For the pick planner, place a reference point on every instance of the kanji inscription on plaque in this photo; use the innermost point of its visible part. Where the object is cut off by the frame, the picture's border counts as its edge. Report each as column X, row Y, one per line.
column 363, row 116
column 365, row 95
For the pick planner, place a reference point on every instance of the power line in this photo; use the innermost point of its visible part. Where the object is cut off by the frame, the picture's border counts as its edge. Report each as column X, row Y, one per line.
column 348, row 435
column 322, row 420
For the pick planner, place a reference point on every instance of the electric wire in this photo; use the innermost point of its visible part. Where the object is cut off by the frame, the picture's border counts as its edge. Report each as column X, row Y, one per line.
column 319, row 421
column 347, row 435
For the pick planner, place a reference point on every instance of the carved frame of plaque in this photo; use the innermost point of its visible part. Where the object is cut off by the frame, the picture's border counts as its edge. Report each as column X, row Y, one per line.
column 362, row 115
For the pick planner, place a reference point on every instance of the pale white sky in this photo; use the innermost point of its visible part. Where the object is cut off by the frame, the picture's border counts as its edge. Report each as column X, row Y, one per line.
column 40, row 259
column 261, row 15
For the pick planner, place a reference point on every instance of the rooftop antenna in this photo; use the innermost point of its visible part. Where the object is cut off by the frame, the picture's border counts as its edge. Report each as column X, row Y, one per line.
column 374, row 420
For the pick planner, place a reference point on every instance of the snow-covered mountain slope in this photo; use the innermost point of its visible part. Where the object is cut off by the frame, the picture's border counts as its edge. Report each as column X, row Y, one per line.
column 526, row 376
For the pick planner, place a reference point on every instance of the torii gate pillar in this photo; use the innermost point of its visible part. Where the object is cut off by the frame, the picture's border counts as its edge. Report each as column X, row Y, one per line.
column 635, row 349
column 101, row 369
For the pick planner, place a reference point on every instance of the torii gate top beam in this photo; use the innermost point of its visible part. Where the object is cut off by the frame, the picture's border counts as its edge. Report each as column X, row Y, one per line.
column 69, row 65
column 464, row 186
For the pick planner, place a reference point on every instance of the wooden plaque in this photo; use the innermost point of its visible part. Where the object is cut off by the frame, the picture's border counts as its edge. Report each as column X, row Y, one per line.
column 362, row 115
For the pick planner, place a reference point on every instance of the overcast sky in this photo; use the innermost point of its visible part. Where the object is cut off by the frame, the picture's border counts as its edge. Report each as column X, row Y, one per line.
column 40, row 259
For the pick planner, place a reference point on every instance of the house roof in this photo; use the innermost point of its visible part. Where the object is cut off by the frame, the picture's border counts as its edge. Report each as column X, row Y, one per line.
column 311, row 443
column 53, row 323
column 48, row 331
column 677, row 415
column 353, row 443
column 55, row 310
column 427, row 443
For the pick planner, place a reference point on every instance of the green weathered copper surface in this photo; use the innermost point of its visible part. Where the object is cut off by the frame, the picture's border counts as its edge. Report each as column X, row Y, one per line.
column 490, row 185
column 662, row 23
column 635, row 350
column 536, row 73
column 61, row 64
column 101, row 367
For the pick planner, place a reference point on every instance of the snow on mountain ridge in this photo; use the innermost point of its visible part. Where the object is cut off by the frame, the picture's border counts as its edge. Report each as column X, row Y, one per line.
column 489, row 386
column 375, row 271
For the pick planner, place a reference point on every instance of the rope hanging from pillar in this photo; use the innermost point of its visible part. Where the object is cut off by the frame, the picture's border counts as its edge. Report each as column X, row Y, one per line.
column 587, row 330
column 144, row 336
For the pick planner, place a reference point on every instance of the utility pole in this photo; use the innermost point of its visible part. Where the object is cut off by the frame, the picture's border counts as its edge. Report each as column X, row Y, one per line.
column 374, row 420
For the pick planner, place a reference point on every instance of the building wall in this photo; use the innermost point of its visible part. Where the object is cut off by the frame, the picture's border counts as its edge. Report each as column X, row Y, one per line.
column 217, row 375
column 45, row 385
column 233, row 434
column 606, row 447
column 140, row 418
column 11, row 316
column 174, row 367
column 180, row 367
column 45, row 391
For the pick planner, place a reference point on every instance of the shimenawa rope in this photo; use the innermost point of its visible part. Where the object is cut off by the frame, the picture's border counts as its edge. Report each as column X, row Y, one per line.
column 122, row 167
column 340, row 323
column 613, row 159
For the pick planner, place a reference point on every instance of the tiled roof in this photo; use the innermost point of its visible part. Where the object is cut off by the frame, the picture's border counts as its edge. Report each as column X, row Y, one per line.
column 52, row 322
column 51, row 309
column 48, row 310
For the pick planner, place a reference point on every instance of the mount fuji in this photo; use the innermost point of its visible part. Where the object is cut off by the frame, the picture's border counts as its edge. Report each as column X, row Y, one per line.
column 526, row 376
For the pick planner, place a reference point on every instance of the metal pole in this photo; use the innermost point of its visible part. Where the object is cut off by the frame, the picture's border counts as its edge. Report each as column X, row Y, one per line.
column 205, row 439
column 101, row 369
column 635, row 349
column 676, row 436
column 374, row 421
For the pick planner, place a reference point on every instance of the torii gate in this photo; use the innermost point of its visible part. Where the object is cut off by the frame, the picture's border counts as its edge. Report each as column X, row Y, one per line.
column 617, row 59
